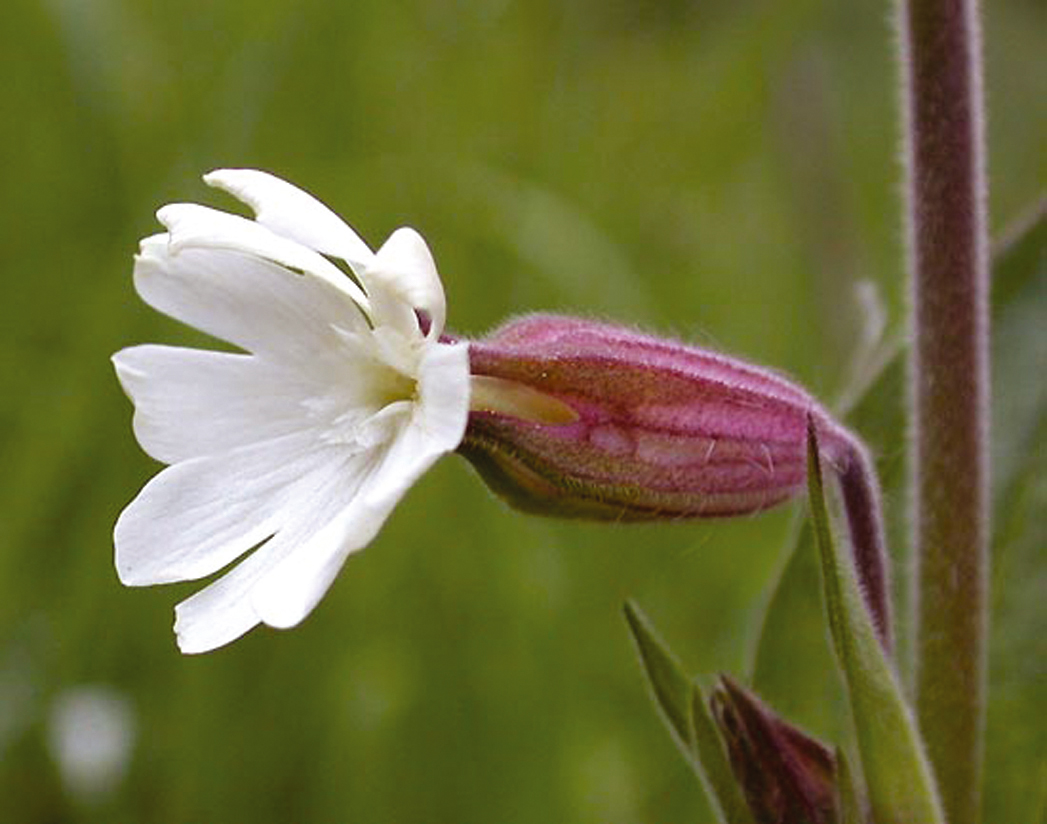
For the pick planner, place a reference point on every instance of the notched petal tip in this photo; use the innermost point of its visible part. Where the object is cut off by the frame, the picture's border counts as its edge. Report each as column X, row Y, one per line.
column 293, row 213
column 154, row 243
column 189, row 645
column 196, row 636
column 405, row 266
column 218, row 178
column 249, row 186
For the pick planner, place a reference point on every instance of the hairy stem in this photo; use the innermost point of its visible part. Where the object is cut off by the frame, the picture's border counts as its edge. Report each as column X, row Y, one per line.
column 946, row 193
column 861, row 500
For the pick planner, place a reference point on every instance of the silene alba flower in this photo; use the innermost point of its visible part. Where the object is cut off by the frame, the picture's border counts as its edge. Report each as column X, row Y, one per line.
column 293, row 451
column 301, row 444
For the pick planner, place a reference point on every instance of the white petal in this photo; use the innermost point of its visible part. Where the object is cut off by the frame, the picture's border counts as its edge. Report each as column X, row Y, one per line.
column 289, row 591
column 221, row 612
column 245, row 300
column 443, row 393
column 190, row 402
column 197, row 516
column 191, row 225
column 225, row 609
column 324, row 536
column 293, row 213
column 437, row 425
column 403, row 272
column 283, row 580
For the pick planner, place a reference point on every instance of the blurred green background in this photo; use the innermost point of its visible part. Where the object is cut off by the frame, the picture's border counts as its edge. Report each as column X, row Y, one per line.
column 721, row 171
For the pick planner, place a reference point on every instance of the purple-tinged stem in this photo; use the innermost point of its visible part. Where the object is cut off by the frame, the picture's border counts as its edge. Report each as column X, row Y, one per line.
column 861, row 502
column 946, row 194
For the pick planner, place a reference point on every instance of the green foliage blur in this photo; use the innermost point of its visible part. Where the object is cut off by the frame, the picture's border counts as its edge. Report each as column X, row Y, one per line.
column 724, row 172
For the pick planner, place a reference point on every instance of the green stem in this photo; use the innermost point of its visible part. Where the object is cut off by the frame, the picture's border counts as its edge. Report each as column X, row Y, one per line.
column 946, row 190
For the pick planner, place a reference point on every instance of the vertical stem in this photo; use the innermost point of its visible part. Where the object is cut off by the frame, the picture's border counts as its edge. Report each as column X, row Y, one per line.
column 946, row 191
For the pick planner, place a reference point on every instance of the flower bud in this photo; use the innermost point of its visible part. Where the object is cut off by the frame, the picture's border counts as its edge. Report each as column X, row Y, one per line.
column 572, row 417
column 787, row 776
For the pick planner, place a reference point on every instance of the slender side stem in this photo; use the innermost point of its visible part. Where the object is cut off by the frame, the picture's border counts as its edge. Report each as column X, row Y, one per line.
column 941, row 61
column 861, row 502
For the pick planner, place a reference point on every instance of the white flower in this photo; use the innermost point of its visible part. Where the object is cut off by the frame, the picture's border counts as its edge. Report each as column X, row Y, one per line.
column 298, row 447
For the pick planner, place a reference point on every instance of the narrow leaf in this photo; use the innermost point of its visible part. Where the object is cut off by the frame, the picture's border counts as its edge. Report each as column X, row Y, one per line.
column 670, row 687
column 793, row 626
column 1016, row 773
column 683, row 708
column 1016, row 738
column 850, row 799
column 712, row 765
column 1019, row 350
column 1018, row 254
column 897, row 774
column 793, row 667
column 872, row 404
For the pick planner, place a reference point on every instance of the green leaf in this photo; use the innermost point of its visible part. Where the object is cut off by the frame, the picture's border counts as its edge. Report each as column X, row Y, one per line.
column 1018, row 253
column 897, row 774
column 1016, row 737
column 712, row 765
column 669, row 685
column 684, row 709
column 793, row 626
column 794, row 669
column 850, row 798
column 1015, row 748
column 1019, row 350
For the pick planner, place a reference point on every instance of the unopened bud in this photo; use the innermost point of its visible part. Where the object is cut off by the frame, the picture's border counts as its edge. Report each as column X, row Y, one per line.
column 573, row 417
column 576, row 418
column 787, row 776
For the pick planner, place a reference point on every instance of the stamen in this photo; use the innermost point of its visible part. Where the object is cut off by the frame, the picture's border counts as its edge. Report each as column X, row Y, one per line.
column 506, row 397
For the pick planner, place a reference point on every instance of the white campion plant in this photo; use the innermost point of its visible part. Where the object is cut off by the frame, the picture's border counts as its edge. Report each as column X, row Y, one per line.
column 290, row 454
